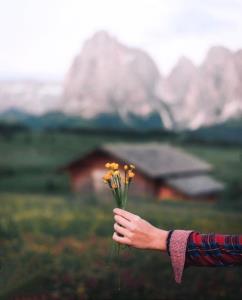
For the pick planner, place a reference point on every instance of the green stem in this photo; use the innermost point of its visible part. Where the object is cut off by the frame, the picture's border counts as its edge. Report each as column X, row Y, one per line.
column 125, row 194
column 118, row 196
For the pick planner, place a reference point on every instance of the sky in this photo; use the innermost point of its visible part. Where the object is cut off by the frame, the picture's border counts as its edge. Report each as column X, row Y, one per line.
column 39, row 38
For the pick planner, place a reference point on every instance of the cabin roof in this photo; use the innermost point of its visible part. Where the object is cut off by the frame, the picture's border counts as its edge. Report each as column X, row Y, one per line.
column 196, row 185
column 157, row 160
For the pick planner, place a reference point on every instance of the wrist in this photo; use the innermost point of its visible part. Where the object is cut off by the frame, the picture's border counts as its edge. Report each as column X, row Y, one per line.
column 160, row 237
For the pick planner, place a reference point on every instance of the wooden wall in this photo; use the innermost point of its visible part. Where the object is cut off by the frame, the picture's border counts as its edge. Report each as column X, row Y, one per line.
column 86, row 176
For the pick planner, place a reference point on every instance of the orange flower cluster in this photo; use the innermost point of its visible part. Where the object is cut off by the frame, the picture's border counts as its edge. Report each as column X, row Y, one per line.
column 119, row 185
column 113, row 173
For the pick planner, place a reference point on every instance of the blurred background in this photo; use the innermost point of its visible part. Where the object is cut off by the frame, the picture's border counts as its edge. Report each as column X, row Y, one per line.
column 76, row 76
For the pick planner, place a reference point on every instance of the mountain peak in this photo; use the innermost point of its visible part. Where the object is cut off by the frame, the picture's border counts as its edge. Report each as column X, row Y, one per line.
column 183, row 67
column 110, row 77
column 184, row 61
column 101, row 35
column 217, row 53
column 101, row 41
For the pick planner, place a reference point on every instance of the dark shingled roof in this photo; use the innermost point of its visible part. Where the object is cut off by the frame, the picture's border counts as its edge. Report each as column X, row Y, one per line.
column 196, row 185
column 157, row 160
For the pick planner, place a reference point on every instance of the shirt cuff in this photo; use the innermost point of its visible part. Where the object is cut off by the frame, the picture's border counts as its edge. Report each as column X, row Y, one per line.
column 178, row 245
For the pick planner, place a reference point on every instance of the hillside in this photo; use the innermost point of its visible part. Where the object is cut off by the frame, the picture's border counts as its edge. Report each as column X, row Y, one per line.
column 102, row 121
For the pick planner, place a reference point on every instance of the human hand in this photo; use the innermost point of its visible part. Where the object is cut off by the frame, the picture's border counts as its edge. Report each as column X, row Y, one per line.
column 132, row 230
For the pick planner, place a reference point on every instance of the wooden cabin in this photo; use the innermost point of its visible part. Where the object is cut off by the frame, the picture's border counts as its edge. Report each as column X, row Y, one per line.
column 162, row 171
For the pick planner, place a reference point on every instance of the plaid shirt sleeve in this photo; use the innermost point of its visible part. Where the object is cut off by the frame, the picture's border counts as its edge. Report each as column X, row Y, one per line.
column 213, row 250
column 189, row 248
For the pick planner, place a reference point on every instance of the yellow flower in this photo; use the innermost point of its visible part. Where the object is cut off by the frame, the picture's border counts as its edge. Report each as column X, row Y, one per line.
column 107, row 165
column 114, row 166
column 126, row 167
column 132, row 166
column 131, row 174
column 107, row 177
column 116, row 173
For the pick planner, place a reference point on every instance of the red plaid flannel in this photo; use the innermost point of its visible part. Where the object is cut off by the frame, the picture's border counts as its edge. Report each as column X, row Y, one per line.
column 194, row 249
column 213, row 250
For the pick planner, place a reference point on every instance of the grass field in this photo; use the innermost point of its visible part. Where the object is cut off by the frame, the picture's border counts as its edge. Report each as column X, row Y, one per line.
column 62, row 249
column 29, row 161
column 53, row 246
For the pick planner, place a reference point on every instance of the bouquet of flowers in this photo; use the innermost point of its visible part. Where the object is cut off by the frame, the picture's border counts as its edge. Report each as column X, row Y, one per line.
column 119, row 182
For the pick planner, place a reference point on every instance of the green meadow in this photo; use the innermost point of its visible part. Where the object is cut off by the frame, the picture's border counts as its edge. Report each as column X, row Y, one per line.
column 62, row 249
column 57, row 246
column 29, row 162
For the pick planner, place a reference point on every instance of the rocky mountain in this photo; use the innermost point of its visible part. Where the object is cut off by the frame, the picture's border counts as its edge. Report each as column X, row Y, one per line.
column 112, row 78
column 207, row 94
column 109, row 78
column 173, row 89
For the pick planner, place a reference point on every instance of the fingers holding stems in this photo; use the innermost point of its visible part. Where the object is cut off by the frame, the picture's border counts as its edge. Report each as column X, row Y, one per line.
column 134, row 231
column 124, row 213
column 121, row 239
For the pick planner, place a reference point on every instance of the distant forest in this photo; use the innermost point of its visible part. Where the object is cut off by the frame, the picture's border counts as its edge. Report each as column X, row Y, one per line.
column 229, row 133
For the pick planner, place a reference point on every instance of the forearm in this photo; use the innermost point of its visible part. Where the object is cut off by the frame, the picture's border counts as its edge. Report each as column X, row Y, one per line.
column 185, row 247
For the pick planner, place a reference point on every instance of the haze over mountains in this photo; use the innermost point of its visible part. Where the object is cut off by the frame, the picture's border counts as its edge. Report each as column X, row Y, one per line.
column 108, row 77
column 35, row 97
